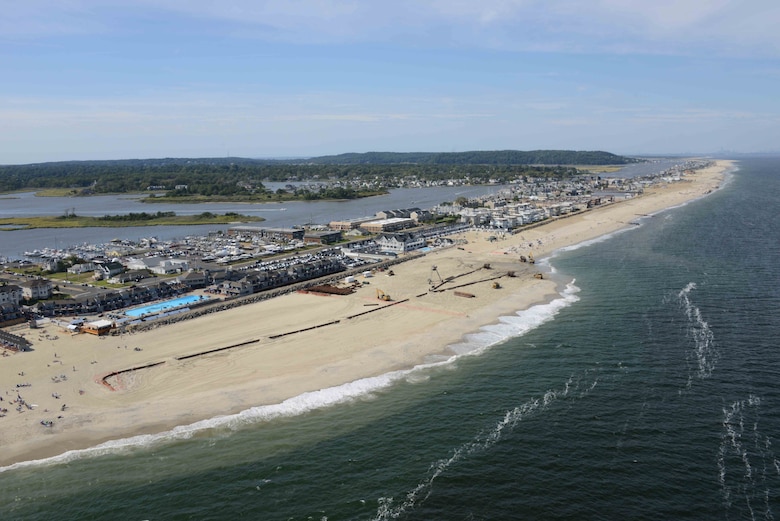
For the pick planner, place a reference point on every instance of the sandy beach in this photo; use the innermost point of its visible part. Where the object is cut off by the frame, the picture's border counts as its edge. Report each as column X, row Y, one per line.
column 360, row 336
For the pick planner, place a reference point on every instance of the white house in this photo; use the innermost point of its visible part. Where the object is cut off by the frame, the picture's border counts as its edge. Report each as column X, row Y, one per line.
column 36, row 289
column 158, row 265
column 474, row 216
column 78, row 269
column 10, row 294
column 193, row 279
column 399, row 242
column 108, row 270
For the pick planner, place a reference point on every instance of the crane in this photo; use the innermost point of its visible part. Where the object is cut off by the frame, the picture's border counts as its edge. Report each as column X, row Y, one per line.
column 435, row 269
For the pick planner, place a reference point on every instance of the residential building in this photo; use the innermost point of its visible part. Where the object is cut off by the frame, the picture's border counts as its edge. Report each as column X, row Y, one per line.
column 10, row 294
column 36, row 289
column 322, row 237
column 388, row 225
column 399, row 242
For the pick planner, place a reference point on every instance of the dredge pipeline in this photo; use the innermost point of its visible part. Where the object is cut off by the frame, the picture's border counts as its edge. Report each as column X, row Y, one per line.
column 472, row 283
column 378, row 309
column 304, row 329
column 185, row 357
column 104, row 380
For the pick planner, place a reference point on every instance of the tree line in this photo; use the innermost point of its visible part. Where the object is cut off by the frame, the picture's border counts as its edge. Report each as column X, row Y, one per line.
column 480, row 157
column 237, row 177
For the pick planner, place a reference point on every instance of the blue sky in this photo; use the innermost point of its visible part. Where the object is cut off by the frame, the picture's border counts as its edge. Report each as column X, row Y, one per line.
column 110, row 79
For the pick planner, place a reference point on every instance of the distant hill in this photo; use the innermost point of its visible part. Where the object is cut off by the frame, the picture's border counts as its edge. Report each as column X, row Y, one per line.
column 494, row 157
column 187, row 179
column 235, row 177
column 479, row 157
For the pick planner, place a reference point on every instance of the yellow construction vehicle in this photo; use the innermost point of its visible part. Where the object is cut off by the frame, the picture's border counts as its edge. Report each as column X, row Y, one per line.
column 496, row 285
column 381, row 295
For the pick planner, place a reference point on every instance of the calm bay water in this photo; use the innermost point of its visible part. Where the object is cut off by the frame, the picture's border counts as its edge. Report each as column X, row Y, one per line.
column 648, row 390
column 13, row 244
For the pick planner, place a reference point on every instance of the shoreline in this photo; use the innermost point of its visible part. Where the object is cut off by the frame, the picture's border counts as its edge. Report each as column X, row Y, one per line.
column 419, row 329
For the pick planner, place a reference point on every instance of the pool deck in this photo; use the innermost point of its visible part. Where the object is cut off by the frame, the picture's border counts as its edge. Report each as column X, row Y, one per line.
column 165, row 306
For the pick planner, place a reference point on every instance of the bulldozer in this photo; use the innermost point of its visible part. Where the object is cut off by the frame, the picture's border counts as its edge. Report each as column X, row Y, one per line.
column 381, row 295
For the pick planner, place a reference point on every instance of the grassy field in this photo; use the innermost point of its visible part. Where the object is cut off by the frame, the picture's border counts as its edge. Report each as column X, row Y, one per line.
column 599, row 169
column 116, row 221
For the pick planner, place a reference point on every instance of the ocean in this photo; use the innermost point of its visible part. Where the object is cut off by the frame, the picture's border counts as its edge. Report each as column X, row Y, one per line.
column 647, row 390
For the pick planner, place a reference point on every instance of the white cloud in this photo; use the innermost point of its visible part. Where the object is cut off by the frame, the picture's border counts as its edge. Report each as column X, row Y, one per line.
column 692, row 116
column 595, row 26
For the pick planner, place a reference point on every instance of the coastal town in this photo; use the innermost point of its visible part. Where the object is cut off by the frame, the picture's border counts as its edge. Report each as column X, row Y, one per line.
column 102, row 281
column 364, row 297
column 389, row 261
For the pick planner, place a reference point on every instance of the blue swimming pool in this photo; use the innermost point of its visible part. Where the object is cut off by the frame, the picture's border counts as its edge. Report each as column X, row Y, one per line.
column 164, row 305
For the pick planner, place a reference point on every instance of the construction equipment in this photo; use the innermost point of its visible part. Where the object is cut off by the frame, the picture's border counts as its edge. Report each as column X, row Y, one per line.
column 496, row 285
column 435, row 270
column 531, row 258
column 381, row 295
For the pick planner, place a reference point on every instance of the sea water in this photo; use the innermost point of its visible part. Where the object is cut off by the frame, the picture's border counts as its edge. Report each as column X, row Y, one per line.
column 647, row 390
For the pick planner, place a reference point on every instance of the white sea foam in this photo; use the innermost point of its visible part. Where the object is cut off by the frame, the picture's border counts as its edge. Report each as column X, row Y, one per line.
column 389, row 509
column 295, row 406
column 704, row 351
column 753, row 482
column 475, row 343
column 515, row 325
column 595, row 240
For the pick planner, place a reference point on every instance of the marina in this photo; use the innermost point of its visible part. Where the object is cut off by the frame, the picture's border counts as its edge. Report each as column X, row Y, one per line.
column 14, row 243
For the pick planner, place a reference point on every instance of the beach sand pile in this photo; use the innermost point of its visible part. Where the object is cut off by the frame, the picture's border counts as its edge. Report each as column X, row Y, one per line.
column 57, row 398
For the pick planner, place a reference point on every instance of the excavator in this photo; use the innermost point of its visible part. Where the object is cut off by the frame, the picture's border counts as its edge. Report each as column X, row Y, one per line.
column 381, row 295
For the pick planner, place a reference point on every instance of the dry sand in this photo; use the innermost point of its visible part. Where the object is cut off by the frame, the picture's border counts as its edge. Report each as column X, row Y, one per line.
column 417, row 326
